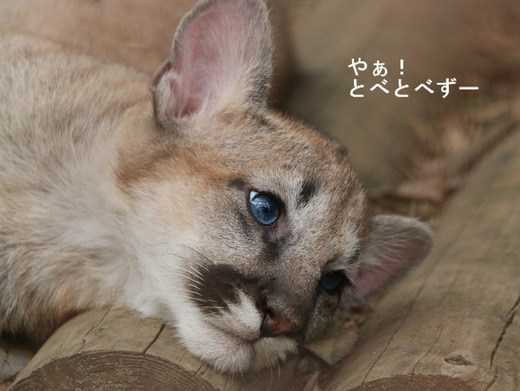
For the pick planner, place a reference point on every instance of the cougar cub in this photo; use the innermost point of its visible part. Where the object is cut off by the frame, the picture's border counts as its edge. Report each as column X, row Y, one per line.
column 194, row 203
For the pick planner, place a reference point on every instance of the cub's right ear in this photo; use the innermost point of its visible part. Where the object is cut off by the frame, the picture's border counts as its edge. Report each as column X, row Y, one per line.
column 396, row 243
column 220, row 56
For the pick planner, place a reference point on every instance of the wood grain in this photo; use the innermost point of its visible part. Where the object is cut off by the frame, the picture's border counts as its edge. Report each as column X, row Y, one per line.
column 453, row 323
column 113, row 349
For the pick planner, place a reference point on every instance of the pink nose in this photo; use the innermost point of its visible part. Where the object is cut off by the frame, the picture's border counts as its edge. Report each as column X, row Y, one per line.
column 274, row 324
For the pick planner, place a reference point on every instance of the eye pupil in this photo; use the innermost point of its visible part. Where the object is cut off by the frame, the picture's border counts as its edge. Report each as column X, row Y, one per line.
column 332, row 281
column 264, row 208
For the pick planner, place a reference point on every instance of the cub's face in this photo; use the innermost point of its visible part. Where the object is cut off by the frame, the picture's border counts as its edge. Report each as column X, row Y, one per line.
column 247, row 227
column 253, row 246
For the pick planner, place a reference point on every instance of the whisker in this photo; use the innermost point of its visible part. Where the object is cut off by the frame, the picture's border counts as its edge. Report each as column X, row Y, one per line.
column 279, row 375
column 196, row 282
column 196, row 287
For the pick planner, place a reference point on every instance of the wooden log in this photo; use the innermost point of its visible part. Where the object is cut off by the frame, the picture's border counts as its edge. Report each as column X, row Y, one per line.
column 113, row 349
column 453, row 324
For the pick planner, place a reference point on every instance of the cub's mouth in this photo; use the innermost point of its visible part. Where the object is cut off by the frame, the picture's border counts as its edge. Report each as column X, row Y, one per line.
column 239, row 324
column 232, row 349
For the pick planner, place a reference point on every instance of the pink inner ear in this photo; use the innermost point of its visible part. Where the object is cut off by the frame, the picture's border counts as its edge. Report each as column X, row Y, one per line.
column 396, row 244
column 212, row 56
column 375, row 278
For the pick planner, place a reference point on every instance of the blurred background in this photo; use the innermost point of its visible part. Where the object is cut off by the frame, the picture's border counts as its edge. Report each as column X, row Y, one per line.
column 411, row 152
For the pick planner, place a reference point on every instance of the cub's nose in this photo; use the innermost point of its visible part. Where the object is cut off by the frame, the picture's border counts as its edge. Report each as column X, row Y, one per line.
column 274, row 323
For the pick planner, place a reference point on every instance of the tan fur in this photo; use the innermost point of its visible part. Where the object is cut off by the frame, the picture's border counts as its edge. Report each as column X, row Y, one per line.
column 108, row 197
column 49, row 139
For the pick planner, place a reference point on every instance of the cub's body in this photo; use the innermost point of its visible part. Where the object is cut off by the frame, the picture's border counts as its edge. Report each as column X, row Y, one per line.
column 193, row 203
column 65, row 118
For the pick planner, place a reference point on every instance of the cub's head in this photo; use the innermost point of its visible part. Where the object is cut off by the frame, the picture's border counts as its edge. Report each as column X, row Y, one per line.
column 251, row 227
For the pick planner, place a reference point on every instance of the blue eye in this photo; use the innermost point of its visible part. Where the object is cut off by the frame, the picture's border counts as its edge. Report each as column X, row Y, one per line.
column 264, row 208
column 332, row 281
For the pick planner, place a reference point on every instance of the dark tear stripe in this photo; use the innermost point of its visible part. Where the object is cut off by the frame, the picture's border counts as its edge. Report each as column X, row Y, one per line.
column 271, row 250
column 244, row 225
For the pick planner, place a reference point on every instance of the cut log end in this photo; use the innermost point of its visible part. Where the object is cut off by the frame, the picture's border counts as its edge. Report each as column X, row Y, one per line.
column 113, row 370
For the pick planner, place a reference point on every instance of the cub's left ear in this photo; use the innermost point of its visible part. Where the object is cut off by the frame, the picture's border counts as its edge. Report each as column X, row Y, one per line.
column 395, row 244
column 220, row 56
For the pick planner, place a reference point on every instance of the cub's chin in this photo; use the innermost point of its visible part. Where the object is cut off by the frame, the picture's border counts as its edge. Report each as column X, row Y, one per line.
column 230, row 353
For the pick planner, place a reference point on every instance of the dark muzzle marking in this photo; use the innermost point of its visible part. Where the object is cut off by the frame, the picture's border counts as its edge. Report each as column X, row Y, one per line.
column 216, row 286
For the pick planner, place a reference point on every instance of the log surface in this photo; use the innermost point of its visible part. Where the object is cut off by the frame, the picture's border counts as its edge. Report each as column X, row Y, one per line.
column 113, row 349
column 453, row 323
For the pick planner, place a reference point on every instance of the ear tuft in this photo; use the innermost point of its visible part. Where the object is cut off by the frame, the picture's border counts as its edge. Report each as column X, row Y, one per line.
column 221, row 55
column 396, row 243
